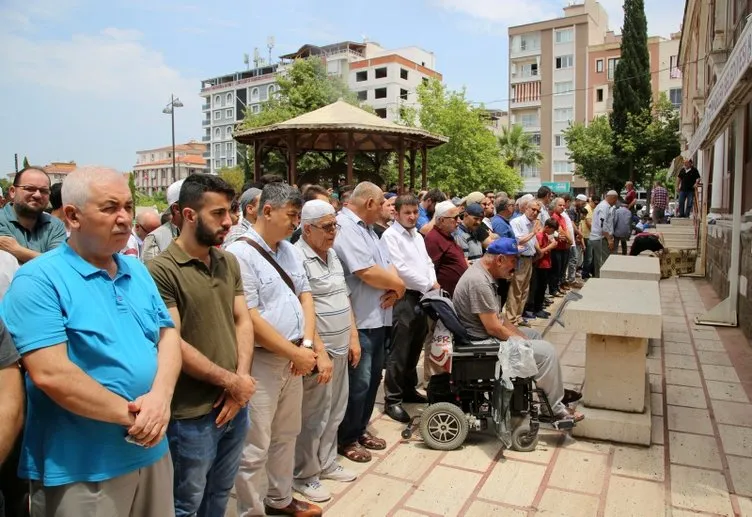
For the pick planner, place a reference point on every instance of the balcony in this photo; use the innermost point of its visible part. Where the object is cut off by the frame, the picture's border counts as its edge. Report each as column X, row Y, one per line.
column 206, row 154
column 206, row 138
column 206, row 107
column 524, row 76
column 206, row 122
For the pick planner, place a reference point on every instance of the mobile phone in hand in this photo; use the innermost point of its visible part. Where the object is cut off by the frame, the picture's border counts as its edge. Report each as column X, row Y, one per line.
column 132, row 440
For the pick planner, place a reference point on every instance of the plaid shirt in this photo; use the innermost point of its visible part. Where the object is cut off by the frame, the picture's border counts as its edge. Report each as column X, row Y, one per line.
column 236, row 232
column 660, row 198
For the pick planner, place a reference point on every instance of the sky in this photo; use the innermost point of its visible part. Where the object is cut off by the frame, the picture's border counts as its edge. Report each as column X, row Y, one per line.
column 87, row 80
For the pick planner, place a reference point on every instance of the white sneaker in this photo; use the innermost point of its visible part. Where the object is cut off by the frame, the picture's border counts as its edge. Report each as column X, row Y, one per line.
column 339, row 473
column 313, row 491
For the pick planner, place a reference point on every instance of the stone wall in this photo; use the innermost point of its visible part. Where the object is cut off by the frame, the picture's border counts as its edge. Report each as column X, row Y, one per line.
column 719, row 261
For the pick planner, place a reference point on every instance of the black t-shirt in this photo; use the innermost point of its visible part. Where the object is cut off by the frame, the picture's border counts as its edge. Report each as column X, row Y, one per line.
column 645, row 242
column 481, row 233
column 688, row 178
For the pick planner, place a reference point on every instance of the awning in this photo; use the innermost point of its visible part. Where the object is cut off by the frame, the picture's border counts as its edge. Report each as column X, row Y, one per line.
column 730, row 91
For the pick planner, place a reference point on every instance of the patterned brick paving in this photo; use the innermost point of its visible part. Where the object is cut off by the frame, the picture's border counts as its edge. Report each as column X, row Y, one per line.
column 700, row 462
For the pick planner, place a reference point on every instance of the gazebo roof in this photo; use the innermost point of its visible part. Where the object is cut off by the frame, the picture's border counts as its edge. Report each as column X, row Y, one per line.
column 339, row 126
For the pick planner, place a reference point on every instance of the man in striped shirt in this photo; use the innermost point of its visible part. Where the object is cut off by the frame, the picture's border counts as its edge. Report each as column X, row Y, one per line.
column 324, row 404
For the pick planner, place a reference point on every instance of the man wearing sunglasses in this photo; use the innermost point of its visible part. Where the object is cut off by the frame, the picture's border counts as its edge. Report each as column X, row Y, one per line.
column 26, row 231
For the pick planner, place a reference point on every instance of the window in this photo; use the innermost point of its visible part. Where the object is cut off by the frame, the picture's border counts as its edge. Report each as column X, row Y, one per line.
column 563, row 114
column 228, row 132
column 559, row 141
column 565, row 36
column 529, row 120
column 217, row 100
column 562, row 87
column 403, row 94
column 230, row 162
column 271, row 90
column 599, row 95
column 675, row 96
column 381, row 112
column 255, row 94
column 361, row 76
column 229, row 148
column 528, row 70
column 612, row 62
column 425, row 80
column 674, row 71
column 562, row 167
column 599, row 66
column 229, row 98
column 217, row 133
column 379, row 93
column 528, row 171
column 564, row 62
column 380, row 73
column 217, row 114
column 255, row 108
column 216, row 150
column 403, row 74
column 228, row 114
column 529, row 42
column 535, row 138
column 363, row 95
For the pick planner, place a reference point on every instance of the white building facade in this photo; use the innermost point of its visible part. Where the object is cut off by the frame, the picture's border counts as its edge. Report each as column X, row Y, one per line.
column 153, row 170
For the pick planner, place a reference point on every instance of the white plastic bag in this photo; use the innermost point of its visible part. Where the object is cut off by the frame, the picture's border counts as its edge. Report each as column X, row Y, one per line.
column 516, row 359
column 440, row 349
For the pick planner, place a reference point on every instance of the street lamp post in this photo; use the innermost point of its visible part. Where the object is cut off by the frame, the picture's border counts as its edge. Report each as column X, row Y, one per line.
column 170, row 109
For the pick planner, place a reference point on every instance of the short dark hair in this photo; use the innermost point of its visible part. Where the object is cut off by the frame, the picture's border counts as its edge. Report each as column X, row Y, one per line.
column 56, row 196
column 405, row 200
column 489, row 192
column 196, row 185
column 17, row 177
column 435, row 195
column 596, row 198
column 566, row 197
column 311, row 192
column 543, row 192
column 552, row 223
column 270, row 178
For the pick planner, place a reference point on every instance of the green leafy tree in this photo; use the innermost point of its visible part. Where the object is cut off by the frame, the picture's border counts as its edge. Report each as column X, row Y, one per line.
column 471, row 159
column 591, row 150
column 234, row 176
column 632, row 90
column 132, row 186
column 517, row 148
column 5, row 185
column 25, row 162
column 158, row 201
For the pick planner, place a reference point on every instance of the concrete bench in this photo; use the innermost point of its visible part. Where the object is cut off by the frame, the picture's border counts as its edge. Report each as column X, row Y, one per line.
column 631, row 268
column 618, row 317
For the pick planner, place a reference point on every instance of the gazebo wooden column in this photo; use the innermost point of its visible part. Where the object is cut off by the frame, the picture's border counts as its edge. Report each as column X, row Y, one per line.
column 401, row 164
column 292, row 152
column 424, row 167
column 350, row 150
column 413, row 152
column 257, row 148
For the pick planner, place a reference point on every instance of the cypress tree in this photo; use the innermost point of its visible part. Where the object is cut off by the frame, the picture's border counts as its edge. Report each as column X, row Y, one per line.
column 632, row 90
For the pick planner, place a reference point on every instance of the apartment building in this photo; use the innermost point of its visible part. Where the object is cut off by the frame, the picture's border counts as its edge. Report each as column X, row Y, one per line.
column 57, row 171
column 665, row 74
column 384, row 79
column 153, row 169
column 548, row 71
column 496, row 120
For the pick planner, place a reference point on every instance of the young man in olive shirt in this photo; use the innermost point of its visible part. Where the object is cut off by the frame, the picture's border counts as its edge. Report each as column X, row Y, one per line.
column 202, row 288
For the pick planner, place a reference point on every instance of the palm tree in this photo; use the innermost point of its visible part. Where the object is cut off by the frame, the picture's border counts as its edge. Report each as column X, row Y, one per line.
column 517, row 148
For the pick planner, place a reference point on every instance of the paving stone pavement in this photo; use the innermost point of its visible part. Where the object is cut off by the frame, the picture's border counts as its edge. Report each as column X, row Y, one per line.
column 700, row 462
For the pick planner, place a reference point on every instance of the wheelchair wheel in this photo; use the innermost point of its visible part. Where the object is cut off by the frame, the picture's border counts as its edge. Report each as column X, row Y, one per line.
column 443, row 426
column 524, row 439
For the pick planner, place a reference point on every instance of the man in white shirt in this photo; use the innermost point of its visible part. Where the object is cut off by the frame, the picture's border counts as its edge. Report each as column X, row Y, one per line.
column 409, row 256
column 602, row 231
column 8, row 267
column 146, row 222
column 525, row 229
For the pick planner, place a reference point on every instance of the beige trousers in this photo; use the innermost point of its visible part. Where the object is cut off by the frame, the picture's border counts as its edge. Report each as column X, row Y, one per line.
column 146, row 492
column 519, row 288
column 266, row 468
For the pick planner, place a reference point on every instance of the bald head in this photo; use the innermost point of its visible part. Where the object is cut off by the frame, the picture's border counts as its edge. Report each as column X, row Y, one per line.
column 366, row 201
column 146, row 222
column 78, row 184
column 364, row 191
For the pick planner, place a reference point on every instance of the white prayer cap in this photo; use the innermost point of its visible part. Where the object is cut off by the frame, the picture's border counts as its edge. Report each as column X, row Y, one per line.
column 442, row 209
column 612, row 193
column 316, row 209
column 173, row 192
column 581, row 197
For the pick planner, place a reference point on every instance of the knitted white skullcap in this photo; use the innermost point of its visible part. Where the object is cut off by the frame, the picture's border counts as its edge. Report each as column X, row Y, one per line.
column 316, row 209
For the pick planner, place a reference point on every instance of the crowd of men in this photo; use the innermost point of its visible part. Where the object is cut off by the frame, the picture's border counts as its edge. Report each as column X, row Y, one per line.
column 240, row 340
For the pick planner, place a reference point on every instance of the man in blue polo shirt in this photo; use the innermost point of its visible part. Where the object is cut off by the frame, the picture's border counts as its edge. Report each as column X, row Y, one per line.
column 102, row 358
column 26, row 231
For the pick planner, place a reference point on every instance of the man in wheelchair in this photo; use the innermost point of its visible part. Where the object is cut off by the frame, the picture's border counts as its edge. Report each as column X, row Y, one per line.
column 478, row 307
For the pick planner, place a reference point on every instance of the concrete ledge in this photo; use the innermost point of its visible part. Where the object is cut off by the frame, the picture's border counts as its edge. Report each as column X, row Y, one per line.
column 614, row 371
column 631, row 268
column 616, row 307
column 616, row 426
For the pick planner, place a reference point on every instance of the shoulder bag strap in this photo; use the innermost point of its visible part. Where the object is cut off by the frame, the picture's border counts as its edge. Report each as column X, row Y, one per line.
column 284, row 276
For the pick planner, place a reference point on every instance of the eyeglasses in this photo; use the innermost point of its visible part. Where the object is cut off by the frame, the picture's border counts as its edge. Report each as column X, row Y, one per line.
column 456, row 217
column 31, row 189
column 329, row 228
column 534, row 210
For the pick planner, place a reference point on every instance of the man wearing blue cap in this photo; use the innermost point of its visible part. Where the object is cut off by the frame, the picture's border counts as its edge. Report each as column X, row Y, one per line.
column 478, row 308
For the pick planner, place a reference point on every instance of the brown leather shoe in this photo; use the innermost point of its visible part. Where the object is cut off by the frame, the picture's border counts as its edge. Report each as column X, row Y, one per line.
column 296, row 508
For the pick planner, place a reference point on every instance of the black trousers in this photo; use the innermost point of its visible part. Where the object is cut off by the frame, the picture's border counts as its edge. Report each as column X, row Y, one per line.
column 541, row 283
column 409, row 332
column 559, row 261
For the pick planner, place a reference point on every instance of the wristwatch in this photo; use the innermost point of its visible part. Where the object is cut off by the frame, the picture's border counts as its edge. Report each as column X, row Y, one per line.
column 307, row 343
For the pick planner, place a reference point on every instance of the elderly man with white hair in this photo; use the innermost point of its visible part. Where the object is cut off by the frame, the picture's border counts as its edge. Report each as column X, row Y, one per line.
column 324, row 404
column 102, row 357
column 158, row 240
column 447, row 256
column 602, row 231
column 249, row 209
column 146, row 222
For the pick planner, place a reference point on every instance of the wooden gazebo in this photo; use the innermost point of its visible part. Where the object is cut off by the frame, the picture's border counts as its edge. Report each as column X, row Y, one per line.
column 340, row 127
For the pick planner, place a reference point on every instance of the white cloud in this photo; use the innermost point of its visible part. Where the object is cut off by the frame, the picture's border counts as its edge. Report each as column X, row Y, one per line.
column 506, row 12
column 664, row 16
